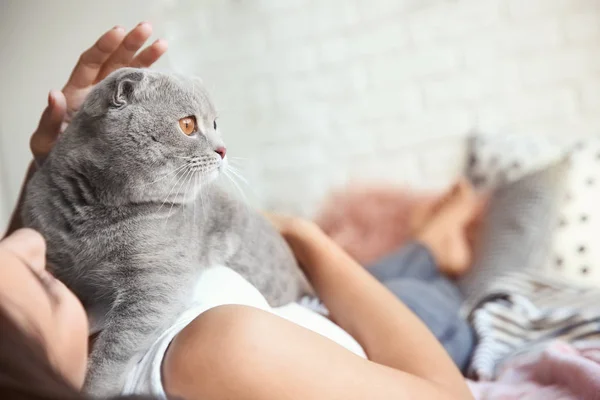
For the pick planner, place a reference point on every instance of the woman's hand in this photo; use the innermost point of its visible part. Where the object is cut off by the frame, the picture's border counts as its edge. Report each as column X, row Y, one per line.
column 290, row 226
column 113, row 50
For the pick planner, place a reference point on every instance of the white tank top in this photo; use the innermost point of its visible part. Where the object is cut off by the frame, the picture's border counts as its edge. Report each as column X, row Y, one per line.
column 220, row 286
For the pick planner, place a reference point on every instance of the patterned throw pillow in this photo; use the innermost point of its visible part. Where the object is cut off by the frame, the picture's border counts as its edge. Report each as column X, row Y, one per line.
column 575, row 255
column 498, row 160
column 526, row 175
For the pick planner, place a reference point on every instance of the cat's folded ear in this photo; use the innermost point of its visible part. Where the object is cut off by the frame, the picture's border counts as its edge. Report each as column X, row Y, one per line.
column 115, row 91
column 126, row 82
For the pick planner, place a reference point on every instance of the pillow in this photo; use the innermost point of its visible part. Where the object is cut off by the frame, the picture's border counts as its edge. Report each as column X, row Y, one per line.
column 575, row 255
column 516, row 232
column 498, row 160
column 371, row 220
column 526, row 175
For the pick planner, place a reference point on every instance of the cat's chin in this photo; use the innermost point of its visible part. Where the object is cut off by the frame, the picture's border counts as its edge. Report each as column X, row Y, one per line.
column 212, row 176
column 208, row 178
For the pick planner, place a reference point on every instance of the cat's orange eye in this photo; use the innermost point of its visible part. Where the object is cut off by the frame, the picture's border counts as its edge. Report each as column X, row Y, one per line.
column 188, row 125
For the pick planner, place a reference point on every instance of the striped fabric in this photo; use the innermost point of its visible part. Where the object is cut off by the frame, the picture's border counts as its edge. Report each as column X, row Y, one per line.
column 522, row 312
column 517, row 231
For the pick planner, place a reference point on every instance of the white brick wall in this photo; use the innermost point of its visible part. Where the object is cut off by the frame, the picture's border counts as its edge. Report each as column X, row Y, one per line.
column 316, row 93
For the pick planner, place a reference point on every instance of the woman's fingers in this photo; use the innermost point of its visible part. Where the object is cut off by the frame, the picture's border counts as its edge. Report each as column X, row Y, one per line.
column 91, row 61
column 50, row 125
column 112, row 51
column 123, row 55
column 150, row 54
column 53, row 116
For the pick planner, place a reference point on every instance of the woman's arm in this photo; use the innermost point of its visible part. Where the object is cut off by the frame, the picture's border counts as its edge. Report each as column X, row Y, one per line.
column 113, row 50
column 243, row 353
column 389, row 332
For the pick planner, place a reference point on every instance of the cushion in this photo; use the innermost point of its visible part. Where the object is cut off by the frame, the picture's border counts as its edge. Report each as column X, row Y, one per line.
column 371, row 220
column 575, row 255
column 517, row 230
column 526, row 176
column 498, row 160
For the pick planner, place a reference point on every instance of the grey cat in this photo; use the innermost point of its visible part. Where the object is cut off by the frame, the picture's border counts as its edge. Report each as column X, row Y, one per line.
column 115, row 202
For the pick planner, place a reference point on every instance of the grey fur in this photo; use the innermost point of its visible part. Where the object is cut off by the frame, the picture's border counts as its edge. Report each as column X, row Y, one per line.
column 128, row 240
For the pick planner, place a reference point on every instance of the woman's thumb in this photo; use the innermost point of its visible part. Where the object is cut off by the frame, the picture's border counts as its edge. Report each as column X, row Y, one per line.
column 50, row 125
column 54, row 114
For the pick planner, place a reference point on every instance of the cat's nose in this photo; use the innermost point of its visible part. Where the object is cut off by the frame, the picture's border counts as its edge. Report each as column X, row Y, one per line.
column 221, row 151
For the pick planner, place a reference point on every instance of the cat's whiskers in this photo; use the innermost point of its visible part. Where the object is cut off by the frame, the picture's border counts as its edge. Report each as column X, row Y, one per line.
column 173, row 187
column 235, row 163
column 195, row 194
column 188, row 172
column 207, row 204
column 238, row 174
column 189, row 186
column 191, row 178
column 184, row 194
column 203, row 203
column 162, row 177
column 235, row 184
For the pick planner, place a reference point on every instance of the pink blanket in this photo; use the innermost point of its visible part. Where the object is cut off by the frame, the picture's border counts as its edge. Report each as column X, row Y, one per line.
column 372, row 220
column 560, row 371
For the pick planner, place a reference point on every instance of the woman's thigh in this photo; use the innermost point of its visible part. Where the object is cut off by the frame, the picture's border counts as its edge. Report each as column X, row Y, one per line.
column 412, row 260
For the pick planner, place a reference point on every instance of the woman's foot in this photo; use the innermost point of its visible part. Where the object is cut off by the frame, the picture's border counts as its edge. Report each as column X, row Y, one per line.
column 424, row 211
column 444, row 230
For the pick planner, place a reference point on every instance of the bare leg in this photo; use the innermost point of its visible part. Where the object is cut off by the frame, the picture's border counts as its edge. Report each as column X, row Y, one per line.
column 418, row 273
column 443, row 234
column 424, row 212
column 238, row 352
column 445, row 230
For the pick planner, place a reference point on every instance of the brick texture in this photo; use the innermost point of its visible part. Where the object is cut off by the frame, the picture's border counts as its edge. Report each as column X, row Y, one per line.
column 313, row 94
column 319, row 93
